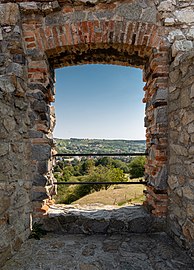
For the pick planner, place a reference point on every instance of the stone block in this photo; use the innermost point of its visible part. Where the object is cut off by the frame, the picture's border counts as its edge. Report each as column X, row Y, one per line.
column 108, row 14
column 181, row 46
column 77, row 16
column 42, row 167
column 19, row 198
column 175, row 35
column 160, row 115
column 45, row 117
column 191, row 128
column 1, row 34
column 6, row 253
column 173, row 182
column 188, row 230
column 188, row 193
column 39, row 106
column 160, row 97
column 19, row 58
column 4, row 149
column 5, row 204
column 36, row 94
column 191, row 169
column 35, row 134
column 190, row 210
column 161, row 179
column 169, row 21
column 191, row 150
column 190, row 34
column 129, row 11
column 9, row 14
column 20, row 103
column 9, row 123
column 3, row 59
column 41, row 152
column 174, row 75
column 166, row 6
column 28, row 7
column 16, row 69
column 39, row 196
column 185, row 101
column 192, row 91
column 185, row 16
column 149, row 15
column 39, row 180
column 179, row 149
column 7, row 83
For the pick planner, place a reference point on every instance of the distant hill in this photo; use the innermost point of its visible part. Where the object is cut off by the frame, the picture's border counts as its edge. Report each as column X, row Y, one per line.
column 99, row 146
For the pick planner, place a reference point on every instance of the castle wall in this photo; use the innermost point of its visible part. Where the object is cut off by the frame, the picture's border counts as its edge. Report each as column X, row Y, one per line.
column 38, row 37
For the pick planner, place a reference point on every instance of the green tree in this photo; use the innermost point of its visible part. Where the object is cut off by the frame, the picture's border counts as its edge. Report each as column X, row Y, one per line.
column 136, row 167
column 67, row 173
column 116, row 163
column 87, row 166
column 104, row 161
column 99, row 174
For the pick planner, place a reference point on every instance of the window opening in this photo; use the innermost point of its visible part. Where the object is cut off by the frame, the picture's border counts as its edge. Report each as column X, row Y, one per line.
column 99, row 111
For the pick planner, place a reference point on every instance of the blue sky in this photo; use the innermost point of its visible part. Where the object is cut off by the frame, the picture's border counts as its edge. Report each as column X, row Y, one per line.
column 99, row 101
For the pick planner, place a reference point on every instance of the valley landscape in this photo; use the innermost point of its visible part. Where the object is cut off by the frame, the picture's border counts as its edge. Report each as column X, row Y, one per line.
column 99, row 169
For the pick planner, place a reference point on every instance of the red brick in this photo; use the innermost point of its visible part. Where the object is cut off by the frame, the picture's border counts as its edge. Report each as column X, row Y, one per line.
column 68, row 34
column 31, row 70
column 97, row 32
column 118, row 27
column 63, row 40
column 39, row 40
column 123, row 33
column 91, row 31
column 31, row 45
column 68, row 9
column 111, row 31
column 105, row 25
column 49, row 37
column 85, row 31
column 153, row 36
column 75, row 34
column 142, row 31
column 29, row 39
column 80, row 33
column 55, row 36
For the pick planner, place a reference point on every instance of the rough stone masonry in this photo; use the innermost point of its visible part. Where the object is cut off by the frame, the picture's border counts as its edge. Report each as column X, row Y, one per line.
column 36, row 37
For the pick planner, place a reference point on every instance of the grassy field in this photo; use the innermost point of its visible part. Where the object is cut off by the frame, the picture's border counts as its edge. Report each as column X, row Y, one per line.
column 115, row 195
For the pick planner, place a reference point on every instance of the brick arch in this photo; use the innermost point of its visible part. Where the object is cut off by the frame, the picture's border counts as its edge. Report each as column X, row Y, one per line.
column 137, row 44
column 100, row 37
column 59, row 41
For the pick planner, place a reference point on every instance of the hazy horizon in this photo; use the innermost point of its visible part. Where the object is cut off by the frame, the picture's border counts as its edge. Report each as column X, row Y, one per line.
column 117, row 139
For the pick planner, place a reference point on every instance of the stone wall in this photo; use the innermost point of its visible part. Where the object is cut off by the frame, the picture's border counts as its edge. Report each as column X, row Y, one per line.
column 15, row 174
column 178, row 17
column 181, row 150
column 125, row 33
column 37, row 37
